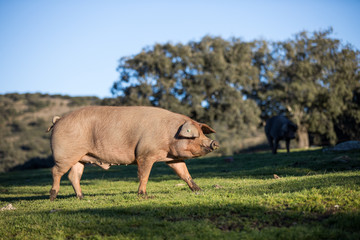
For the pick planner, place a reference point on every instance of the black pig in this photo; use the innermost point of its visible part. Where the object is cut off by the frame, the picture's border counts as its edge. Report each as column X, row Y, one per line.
column 279, row 128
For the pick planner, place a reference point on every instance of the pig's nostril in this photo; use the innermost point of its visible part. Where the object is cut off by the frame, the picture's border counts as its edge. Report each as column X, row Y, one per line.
column 214, row 145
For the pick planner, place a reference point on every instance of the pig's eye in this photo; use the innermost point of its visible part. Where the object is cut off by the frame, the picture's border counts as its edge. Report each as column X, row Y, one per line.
column 189, row 138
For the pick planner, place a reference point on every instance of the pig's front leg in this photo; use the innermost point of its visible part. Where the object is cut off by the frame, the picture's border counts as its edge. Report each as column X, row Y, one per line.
column 182, row 171
column 144, row 168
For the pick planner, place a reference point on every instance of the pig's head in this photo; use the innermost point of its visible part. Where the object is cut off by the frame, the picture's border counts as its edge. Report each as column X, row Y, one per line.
column 190, row 141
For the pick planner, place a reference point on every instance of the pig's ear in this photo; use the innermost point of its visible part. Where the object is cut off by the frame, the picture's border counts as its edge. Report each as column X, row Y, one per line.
column 206, row 128
column 189, row 130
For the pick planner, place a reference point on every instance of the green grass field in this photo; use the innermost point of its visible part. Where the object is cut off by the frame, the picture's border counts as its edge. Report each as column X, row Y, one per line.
column 316, row 197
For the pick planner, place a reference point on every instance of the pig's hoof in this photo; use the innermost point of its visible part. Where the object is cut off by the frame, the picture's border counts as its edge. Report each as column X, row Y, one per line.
column 53, row 194
column 80, row 196
column 194, row 187
column 145, row 196
column 142, row 193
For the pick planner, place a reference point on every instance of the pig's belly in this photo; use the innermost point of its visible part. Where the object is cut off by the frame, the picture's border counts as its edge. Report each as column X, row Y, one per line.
column 113, row 157
column 119, row 159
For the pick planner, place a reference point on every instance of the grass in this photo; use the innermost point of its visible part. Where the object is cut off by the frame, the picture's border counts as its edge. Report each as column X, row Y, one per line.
column 316, row 197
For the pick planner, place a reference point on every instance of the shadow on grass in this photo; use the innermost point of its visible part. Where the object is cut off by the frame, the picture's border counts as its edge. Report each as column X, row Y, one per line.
column 156, row 221
column 32, row 198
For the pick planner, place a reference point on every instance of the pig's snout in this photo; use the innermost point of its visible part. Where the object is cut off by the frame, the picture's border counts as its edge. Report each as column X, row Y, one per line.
column 214, row 145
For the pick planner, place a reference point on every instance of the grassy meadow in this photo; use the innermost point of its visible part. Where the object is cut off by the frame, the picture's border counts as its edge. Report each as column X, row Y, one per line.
column 317, row 196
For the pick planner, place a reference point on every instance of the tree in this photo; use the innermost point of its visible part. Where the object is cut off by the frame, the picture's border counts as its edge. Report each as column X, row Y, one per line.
column 312, row 77
column 204, row 80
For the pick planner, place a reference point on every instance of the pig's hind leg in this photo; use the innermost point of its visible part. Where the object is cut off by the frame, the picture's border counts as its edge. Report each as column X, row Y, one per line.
column 74, row 176
column 56, row 182
column 57, row 172
column 60, row 168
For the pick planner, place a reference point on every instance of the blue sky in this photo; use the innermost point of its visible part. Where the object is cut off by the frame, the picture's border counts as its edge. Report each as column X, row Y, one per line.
column 73, row 47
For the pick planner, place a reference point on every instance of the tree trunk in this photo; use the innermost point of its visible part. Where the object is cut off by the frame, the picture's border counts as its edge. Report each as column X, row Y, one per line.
column 303, row 137
column 302, row 132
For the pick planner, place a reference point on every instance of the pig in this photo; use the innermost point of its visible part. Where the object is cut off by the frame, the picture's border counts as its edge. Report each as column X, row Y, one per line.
column 109, row 135
column 279, row 128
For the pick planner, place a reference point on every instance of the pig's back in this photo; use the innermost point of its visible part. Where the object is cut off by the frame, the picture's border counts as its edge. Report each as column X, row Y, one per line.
column 116, row 117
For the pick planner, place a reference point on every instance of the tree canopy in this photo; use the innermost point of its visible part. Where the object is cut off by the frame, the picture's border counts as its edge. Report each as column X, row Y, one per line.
column 233, row 84
column 314, row 78
column 204, row 80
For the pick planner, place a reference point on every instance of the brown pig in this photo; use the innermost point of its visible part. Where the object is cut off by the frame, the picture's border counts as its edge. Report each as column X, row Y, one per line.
column 106, row 136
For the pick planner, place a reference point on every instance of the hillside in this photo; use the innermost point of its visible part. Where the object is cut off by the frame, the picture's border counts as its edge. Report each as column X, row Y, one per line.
column 24, row 119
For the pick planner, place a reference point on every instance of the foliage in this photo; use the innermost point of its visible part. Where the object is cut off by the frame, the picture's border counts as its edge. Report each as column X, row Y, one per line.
column 313, row 77
column 83, row 101
column 230, row 84
column 203, row 80
column 316, row 197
